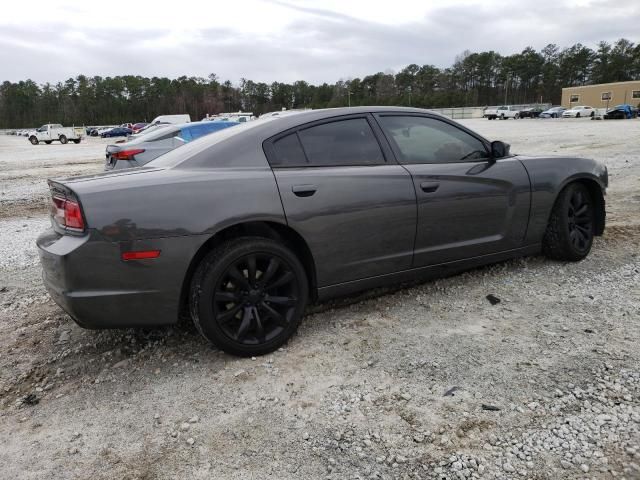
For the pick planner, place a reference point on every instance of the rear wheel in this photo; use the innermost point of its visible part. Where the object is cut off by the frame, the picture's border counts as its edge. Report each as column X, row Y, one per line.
column 578, row 115
column 76, row 141
column 502, row 117
column 516, row 116
column 63, row 139
column 248, row 296
column 33, row 140
column 570, row 231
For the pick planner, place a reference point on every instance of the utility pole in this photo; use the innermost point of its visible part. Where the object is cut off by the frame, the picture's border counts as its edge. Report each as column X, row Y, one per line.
column 506, row 90
column 349, row 96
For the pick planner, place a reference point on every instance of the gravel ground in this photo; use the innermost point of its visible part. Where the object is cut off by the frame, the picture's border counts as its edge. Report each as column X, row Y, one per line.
column 431, row 381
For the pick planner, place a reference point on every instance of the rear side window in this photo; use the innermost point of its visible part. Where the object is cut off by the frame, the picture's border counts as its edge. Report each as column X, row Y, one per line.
column 288, row 151
column 344, row 142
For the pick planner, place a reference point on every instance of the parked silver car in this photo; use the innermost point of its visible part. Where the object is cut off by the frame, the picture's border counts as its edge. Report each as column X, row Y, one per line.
column 143, row 149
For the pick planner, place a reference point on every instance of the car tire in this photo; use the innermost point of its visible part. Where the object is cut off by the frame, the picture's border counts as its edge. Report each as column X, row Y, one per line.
column 502, row 117
column 63, row 139
column 578, row 115
column 247, row 296
column 592, row 114
column 570, row 231
column 76, row 141
column 48, row 142
column 33, row 140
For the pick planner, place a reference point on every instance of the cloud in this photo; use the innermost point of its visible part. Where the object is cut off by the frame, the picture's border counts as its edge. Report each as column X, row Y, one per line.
column 300, row 41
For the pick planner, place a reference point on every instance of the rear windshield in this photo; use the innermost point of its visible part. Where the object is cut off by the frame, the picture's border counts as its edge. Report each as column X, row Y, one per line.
column 177, row 156
column 166, row 131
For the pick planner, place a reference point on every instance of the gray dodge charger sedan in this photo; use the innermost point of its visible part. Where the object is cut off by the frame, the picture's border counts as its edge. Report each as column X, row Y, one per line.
column 242, row 228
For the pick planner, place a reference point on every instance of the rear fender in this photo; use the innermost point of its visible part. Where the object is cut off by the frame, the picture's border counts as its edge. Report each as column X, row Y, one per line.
column 549, row 175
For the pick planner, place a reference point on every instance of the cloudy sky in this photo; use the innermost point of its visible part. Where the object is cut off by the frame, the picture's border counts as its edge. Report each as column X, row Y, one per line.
column 286, row 40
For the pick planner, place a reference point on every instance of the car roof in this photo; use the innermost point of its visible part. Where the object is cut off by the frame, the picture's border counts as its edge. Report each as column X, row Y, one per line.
column 243, row 140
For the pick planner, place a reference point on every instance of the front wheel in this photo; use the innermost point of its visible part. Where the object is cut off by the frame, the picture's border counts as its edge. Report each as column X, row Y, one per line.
column 577, row 115
column 63, row 139
column 502, row 117
column 570, row 230
column 248, row 296
column 33, row 140
column 516, row 116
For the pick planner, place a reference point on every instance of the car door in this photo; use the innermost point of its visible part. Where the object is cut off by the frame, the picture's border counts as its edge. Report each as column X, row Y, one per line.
column 468, row 204
column 343, row 192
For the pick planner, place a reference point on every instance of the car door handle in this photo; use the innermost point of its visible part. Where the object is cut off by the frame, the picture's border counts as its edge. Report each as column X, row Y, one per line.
column 429, row 187
column 304, row 190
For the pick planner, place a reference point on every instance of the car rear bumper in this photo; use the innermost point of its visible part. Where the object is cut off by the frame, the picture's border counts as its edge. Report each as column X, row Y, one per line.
column 87, row 278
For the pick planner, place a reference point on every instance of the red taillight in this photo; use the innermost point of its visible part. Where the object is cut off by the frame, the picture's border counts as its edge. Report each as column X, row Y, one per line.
column 67, row 213
column 127, row 154
column 140, row 255
column 73, row 215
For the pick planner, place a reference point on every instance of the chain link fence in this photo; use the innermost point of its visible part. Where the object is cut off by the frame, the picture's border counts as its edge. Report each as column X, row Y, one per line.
column 459, row 113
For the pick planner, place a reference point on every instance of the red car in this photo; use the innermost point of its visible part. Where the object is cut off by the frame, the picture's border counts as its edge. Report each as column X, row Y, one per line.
column 136, row 127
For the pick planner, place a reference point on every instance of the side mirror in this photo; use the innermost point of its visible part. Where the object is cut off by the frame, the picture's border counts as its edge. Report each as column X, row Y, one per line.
column 499, row 149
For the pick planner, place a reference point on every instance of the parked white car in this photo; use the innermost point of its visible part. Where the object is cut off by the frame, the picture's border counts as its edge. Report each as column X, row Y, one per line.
column 54, row 132
column 503, row 113
column 580, row 111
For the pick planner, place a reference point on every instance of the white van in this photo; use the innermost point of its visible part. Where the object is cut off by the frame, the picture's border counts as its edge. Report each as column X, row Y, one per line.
column 183, row 118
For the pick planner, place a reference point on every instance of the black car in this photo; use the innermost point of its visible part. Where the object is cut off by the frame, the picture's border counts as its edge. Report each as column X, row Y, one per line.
column 243, row 227
column 117, row 132
column 532, row 112
column 621, row 112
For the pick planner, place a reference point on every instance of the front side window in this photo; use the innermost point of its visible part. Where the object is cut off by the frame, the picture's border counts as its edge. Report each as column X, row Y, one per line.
column 428, row 140
column 343, row 142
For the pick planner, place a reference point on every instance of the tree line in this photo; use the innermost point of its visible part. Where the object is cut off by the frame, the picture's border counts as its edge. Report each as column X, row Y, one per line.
column 474, row 79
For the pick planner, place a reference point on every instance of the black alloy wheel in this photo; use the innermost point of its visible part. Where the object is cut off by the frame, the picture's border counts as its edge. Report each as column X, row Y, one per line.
column 255, row 298
column 580, row 220
column 248, row 296
column 570, row 232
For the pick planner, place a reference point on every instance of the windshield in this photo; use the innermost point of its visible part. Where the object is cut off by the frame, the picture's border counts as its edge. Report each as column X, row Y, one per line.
column 174, row 157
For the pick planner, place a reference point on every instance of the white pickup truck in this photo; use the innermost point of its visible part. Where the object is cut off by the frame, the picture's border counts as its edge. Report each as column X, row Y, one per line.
column 503, row 113
column 54, row 132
